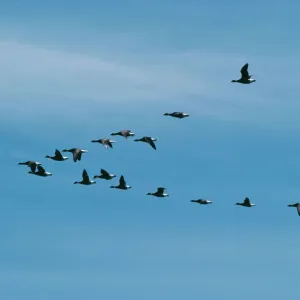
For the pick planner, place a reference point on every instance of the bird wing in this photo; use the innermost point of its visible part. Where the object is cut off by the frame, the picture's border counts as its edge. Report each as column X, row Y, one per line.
column 160, row 190
column 122, row 181
column 247, row 201
column 149, row 140
column 103, row 172
column 125, row 132
column 58, row 154
column 41, row 169
column 32, row 166
column 244, row 72
column 77, row 155
column 109, row 144
column 298, row 209
column 85, row 175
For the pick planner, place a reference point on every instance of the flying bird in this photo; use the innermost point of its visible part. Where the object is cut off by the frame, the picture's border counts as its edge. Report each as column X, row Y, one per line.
column 296, row 205
column 245, row 78
column 178, row 115
column 149, row 140
column 246, row 203
column 125, row 133
column 31, row 164
column 159, row 193
column 105, row 142
column 202, row 201
column 122, row 184
column 58, row 156
column 105, row 175
column 76, row 153
column 85, row 179
column 40, row 172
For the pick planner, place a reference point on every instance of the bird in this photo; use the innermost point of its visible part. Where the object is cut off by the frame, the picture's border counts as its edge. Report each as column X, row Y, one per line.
column 105, row 142
column 202, row 201
column 58, row 156
column 296, row 205
column 105, row 175
column 246, row 203
column 149, row 140
column 85, row 179
column 40, row 172
column 76, row 153
column 31, row 164
column 159, row 193
column 122, row 184
column 176, row 114
column 245, row 78
column 125, row 133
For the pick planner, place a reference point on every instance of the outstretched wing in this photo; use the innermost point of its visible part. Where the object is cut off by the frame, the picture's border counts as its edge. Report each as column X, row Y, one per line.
column 149, row 140
column 244, row 72
column 58, row 154
column 77, row 155
column 122, row 181
column 109, row 144
column 103, row 172
column 85, row 175
column 160, row 190
column 41, row 169
column 298, row 209
column 32, row 166
column 247, row 201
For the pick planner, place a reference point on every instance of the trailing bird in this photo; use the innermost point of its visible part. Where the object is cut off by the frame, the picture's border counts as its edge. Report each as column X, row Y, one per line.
column 149, row 140
column 31, row 164
column 125, row 133
column 202, row 201
column 105, row 142
column 246, row 203
column 179, row 115
column 296, row 205
column 85, row 179
column 159, row 193
column 105, row 175
column 122, row 184
column 76, row 153
column 58, row 156
column 245, row 78
column 40, row 172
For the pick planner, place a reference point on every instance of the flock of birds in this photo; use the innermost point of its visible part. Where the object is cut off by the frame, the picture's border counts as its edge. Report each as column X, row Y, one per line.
column 37, row 169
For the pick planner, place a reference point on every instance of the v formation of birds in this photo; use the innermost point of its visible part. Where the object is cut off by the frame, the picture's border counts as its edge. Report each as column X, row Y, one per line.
column 37, row 169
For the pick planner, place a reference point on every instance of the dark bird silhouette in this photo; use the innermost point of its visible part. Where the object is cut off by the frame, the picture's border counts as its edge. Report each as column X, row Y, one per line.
column 125, row 133
column 40, row 172
column 297, row 205
column 245, row 78
column 58, row 156
column 149, row 140
column 159, row 193
column 176, row 114
column 105, row 142
column 122, row 184
column 85, row 179
column 76, row 153
column 105, row 175
column 246, row 203
column 202, row 201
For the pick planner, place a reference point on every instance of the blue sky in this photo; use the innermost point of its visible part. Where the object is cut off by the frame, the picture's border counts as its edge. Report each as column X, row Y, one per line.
column 73, row 71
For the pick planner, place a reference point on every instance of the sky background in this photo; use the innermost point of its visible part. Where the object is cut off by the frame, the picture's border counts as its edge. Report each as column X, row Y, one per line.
column 73, row 71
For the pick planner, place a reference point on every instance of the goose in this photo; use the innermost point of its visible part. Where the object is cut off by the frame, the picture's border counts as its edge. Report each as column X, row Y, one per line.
column 58, row 156
column 202, row 201
column 245, row 78
column 85, row 179
column 31, row 164
column 159, row 193
column 125, row 133
column 179, row 115
column 296, row 205
column 149, row 140
column 105, row 175
column 246, row 203
column 40, row 172
column 122, row 184
column 76, row 153
column 105, row 142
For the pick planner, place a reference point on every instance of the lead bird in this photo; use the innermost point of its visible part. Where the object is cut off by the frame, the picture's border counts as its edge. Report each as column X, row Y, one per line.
column 58, row 156
column 297, row 205
column 40, row 172
column 246, row 203
column 245, row 78
column 122, row 184
column 149, row 140
column 105, row 142
column 105, row 175
column 202, row 201
column 31, row 164
column 159, row 193
column 77, row 153
column 178, row 115
column 125, row 133
column 85, row 179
